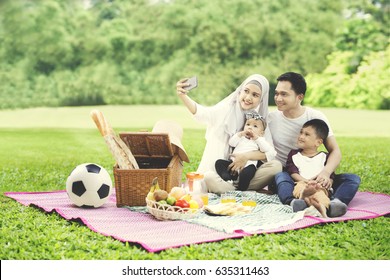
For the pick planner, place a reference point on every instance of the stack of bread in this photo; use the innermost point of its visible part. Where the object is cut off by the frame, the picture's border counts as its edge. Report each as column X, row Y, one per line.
column 228, row 209
column 121, row 153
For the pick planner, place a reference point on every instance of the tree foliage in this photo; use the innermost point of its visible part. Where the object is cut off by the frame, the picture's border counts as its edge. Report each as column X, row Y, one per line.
column 357, row 72
column 367, row 88
column 69, row 53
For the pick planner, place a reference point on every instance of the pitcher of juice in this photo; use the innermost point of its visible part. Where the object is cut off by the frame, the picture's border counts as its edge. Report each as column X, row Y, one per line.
column 196, row 186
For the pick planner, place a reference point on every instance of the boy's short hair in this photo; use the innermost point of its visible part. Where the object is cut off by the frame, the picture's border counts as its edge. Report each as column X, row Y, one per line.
column 320, row 127
column 298, row 83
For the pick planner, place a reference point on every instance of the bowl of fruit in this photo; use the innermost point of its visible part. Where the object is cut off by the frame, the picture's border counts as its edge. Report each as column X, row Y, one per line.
column 175, row 205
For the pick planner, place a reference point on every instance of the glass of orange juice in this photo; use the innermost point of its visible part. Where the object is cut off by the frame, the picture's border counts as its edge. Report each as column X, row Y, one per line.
column 205, row 198
column 248, row 198
column 228, row 197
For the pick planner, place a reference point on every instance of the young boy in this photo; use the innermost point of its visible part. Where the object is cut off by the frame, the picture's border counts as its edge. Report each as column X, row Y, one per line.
column 285, row 124
column 306, row 162
column 249, row 139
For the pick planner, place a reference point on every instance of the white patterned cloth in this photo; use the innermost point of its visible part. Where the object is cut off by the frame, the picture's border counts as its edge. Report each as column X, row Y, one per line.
column 269, row 213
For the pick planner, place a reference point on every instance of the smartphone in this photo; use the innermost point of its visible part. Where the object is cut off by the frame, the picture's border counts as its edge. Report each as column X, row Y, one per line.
column 193, row 83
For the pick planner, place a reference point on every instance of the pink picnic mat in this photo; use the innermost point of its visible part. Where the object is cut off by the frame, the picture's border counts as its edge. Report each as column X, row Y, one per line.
column 137, row 227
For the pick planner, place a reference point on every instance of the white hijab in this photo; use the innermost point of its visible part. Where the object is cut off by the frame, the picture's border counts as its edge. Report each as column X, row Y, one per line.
column 235, row 119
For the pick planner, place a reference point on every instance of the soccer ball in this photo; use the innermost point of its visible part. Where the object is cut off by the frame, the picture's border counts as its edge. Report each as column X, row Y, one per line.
column 89, row 185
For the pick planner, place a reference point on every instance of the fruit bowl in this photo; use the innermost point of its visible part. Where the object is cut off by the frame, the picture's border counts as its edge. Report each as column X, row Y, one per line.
column 168, row 212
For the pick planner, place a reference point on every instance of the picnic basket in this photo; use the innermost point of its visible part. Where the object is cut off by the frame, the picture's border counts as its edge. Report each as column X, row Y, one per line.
column 156, row 157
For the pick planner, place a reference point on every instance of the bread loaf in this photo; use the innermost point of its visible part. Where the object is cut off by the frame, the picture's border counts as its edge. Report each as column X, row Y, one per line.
column 121, row 153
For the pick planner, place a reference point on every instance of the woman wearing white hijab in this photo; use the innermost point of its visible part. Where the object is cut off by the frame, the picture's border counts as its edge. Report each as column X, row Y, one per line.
column 225, row 119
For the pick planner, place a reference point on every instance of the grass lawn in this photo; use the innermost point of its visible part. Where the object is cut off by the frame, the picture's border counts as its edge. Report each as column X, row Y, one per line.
column 38, row 156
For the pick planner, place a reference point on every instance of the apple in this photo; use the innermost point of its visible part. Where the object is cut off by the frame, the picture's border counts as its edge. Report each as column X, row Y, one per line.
column 171, row 200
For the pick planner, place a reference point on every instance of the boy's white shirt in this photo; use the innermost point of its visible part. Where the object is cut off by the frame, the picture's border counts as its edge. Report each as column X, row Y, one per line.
column 285, row 131
column 309, row 167
column 217, row 146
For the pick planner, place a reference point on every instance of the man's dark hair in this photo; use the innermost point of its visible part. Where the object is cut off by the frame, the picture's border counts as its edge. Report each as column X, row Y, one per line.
column 298, row 83
column 320, row 127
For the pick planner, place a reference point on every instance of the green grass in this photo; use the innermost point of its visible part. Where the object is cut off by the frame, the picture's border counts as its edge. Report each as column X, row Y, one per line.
column 362, row 123
column 40, row 159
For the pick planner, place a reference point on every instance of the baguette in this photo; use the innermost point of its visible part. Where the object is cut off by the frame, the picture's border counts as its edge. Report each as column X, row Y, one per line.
column 95, row 116
column 121, row 153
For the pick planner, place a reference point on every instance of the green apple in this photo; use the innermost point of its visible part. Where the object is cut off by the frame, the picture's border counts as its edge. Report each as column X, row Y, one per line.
column 171, row 200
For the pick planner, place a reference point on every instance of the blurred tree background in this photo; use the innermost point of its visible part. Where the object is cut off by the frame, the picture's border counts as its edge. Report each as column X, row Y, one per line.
column 74, row 52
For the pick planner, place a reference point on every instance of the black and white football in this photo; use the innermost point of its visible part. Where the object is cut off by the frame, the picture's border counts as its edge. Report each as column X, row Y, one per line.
column 89, row 185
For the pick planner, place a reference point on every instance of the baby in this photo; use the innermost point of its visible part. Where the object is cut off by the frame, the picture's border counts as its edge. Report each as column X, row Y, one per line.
column 249, row 139
column 307, row 162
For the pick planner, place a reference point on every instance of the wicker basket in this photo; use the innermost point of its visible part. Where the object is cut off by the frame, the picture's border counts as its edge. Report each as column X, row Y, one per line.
column 156, row 158
column 168, row 212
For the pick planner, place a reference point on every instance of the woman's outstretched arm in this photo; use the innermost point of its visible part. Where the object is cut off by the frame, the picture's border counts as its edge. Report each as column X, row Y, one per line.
column 182, row 93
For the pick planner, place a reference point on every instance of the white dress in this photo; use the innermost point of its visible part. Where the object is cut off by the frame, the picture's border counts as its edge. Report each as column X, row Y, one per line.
column 225, row 119
column 217, row 139
column 242, row 145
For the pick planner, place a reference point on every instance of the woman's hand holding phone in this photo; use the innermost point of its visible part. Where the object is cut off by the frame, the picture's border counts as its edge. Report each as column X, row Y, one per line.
column 193, row 83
